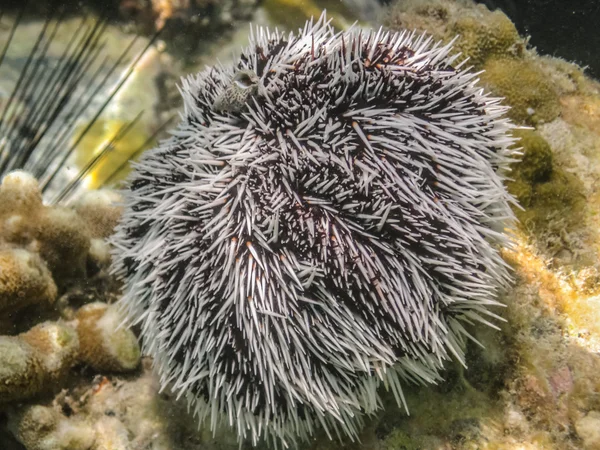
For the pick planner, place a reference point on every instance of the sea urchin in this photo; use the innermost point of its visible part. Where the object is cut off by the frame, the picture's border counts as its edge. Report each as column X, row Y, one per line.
column 325, row 219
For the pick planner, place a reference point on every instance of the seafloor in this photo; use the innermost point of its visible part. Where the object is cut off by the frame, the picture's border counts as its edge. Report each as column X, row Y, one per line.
column 70, row 379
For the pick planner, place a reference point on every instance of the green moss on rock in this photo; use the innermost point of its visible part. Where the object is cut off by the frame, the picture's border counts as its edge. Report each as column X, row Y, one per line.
column 525, row 88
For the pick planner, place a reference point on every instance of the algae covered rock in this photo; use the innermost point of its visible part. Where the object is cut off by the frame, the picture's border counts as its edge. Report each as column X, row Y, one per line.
column 525, row 89
column 535, row 165
column 479, row 34
column 552, row 198
column 105, row 346
column 485, row 35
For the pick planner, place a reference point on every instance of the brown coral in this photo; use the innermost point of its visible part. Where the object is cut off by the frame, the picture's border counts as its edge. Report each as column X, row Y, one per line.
column 58, row 347
column 24, row 280
column 21, row 372
column 63, row 241
column 100, row 211
column 36, row 360
column 105, row 346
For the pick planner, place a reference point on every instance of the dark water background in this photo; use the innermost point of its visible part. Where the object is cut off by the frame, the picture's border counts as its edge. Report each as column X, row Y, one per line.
column 566, row 28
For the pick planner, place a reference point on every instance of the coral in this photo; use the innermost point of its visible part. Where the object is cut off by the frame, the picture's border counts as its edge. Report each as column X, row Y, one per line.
column 483, row 35
column 111, row 434
column 21, row 372
column 63, row 241
column 480, row 34
column 43, row 428
column 37, row 360
column 58, row 234
column 301, row 254
column 19, row 193
column 24, row 280
column 99, row 256
column 40, row 359
column 100, row 211
column 533, row 100
column 105, row 346
column 58, row 347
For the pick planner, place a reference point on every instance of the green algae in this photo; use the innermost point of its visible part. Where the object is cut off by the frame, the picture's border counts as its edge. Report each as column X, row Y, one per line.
column 481, row 37
column 536, row 162
column 553, row 199
column 524, row 87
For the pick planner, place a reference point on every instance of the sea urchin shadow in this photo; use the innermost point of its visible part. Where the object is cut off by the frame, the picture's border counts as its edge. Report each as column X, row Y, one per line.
column 324, row 220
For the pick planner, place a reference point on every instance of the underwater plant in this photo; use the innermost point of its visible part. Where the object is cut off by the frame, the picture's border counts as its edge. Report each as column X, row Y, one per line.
column 324, row 220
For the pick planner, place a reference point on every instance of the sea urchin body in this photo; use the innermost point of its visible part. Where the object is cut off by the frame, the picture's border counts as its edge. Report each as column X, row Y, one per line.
column 324, row 220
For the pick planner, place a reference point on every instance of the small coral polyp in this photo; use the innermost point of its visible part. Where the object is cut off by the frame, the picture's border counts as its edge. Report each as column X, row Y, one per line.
column 325, row 220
